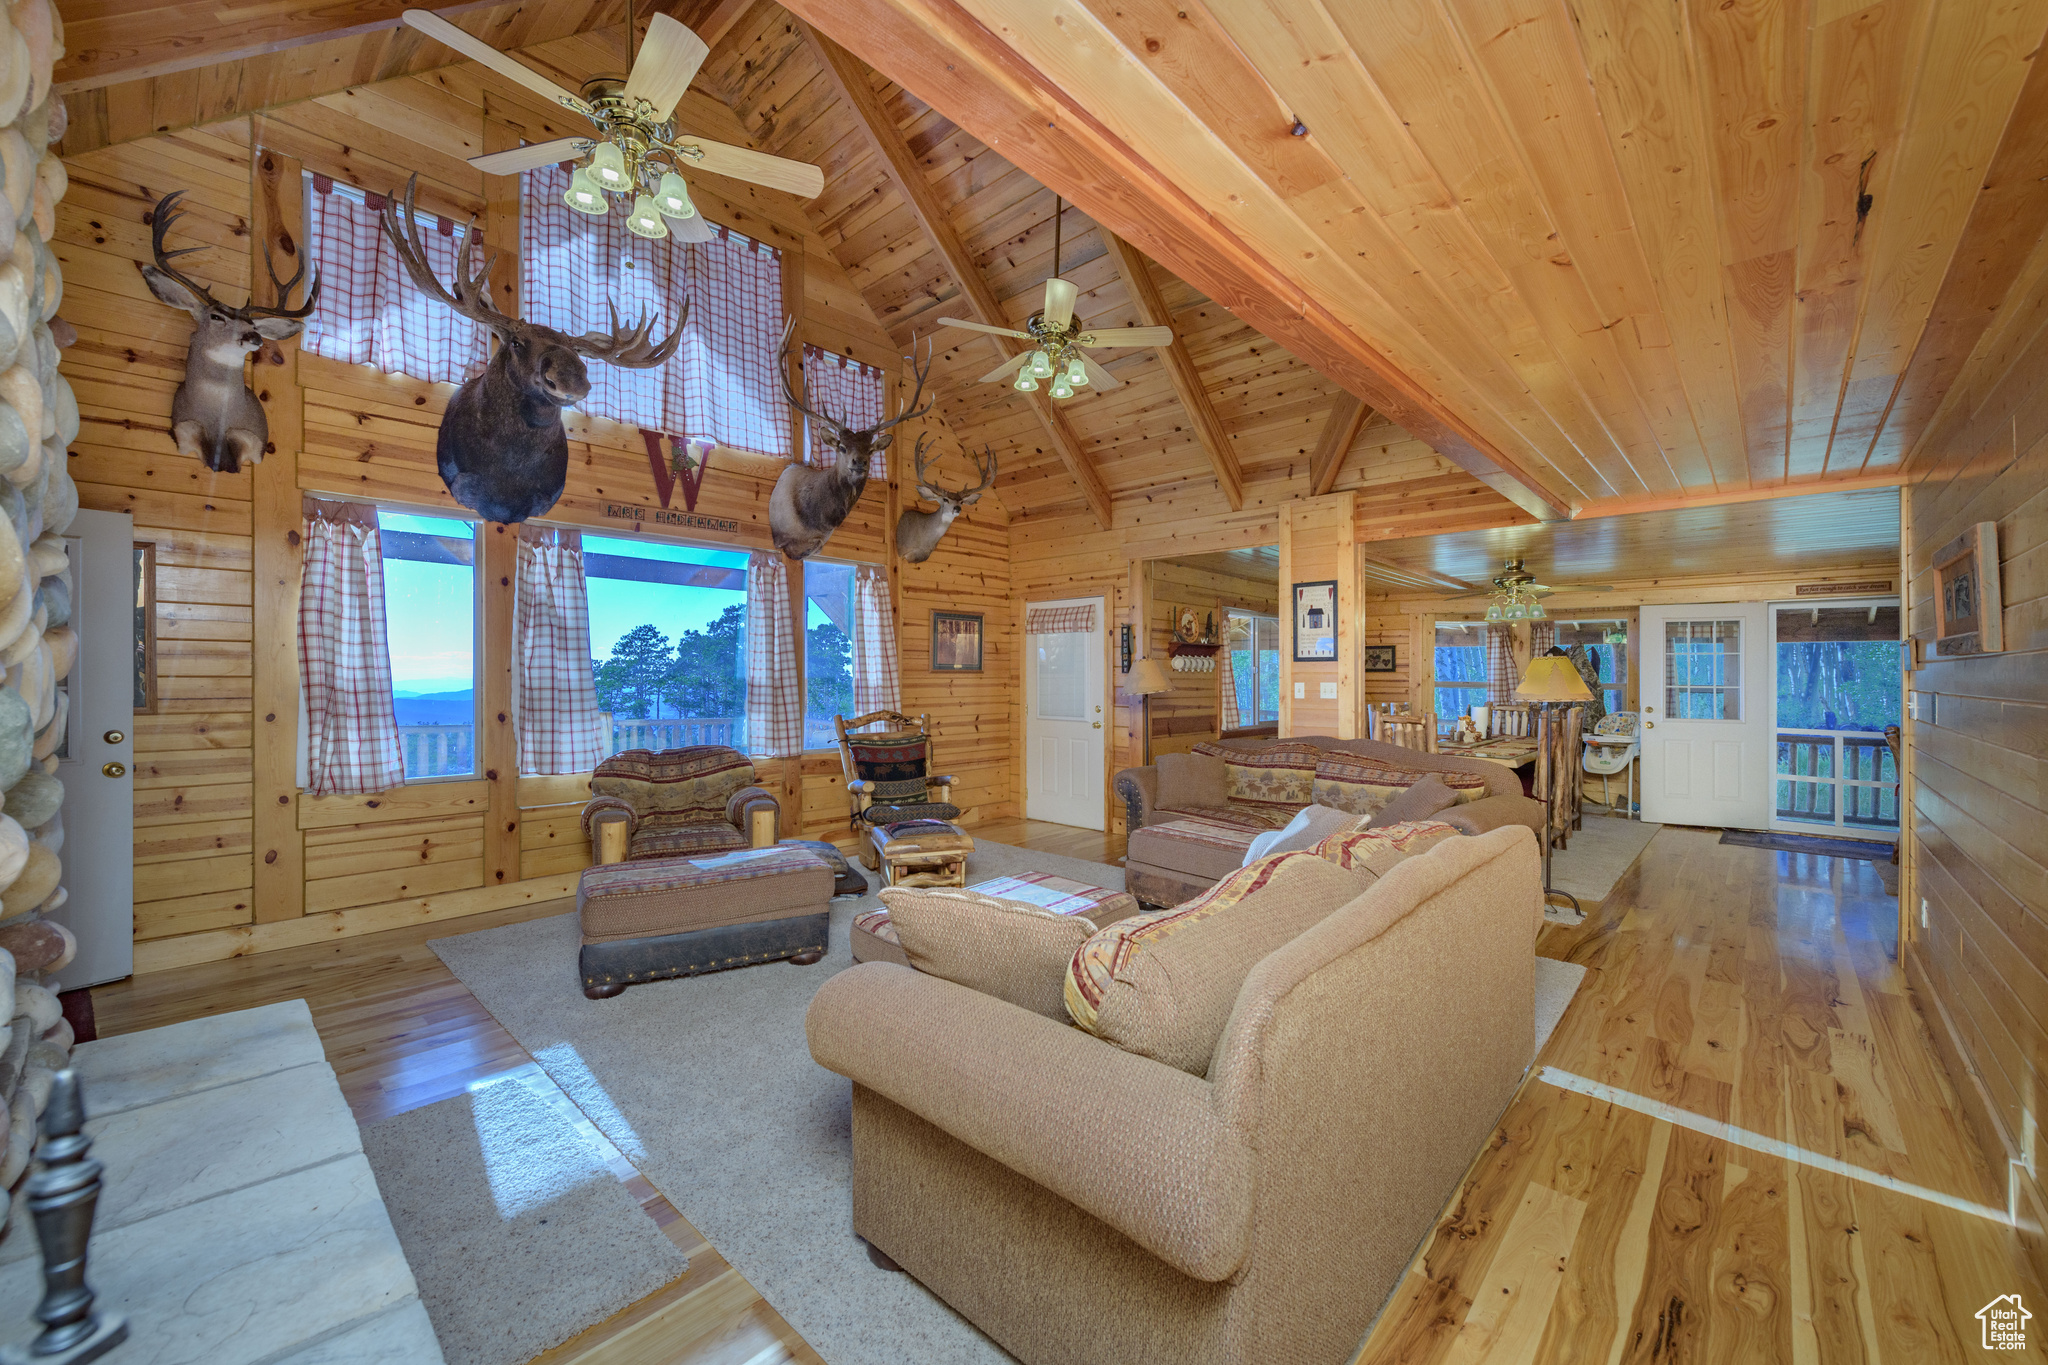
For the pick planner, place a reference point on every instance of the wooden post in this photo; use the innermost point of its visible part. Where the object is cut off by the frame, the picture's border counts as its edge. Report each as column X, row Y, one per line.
column 1286, row 620
column 277, row 204
column 1350, row 619
column 498, row 562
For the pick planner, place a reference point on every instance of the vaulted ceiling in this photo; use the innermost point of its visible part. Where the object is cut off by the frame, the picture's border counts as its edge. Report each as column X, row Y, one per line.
column 1544, row 257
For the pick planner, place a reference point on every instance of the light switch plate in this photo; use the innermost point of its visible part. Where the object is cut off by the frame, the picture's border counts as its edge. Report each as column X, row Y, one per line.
column 1329, row 691
column 1301, row 691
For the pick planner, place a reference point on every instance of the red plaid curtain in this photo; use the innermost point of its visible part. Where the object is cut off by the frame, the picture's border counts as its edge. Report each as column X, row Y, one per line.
column 722, row 386
column 344, row 657
column 1542, row 638
column 851, row 392
column 370, row 313
column 554, row 698
column 1500, row 666
column 877, row 684
column 775, row 711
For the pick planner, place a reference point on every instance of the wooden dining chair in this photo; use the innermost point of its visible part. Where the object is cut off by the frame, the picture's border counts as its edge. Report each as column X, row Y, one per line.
column 1410, row 732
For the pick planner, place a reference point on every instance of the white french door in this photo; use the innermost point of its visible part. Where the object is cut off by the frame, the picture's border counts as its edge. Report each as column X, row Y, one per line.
column 1707, row 704
column 1064, row 715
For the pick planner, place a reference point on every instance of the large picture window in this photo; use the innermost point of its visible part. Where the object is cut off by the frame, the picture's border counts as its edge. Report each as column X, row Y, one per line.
column 828, row 649
column 1251, row 687
column 1606, row 644
column 668, row 627
column 430, row 627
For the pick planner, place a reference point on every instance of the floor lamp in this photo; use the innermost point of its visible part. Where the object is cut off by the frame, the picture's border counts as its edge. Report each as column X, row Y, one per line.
column 1551, row 681
column 1145, row 681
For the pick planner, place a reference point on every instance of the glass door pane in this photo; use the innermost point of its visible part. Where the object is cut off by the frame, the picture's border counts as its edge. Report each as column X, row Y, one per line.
column 1703, row 670
column 1062, row 663
column 1837, row 689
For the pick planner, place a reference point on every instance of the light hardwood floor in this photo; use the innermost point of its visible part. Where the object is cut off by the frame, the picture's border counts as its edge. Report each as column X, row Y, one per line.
column 1850, row 1220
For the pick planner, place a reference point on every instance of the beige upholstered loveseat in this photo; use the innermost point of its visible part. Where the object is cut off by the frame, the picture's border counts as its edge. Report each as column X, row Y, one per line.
column 1084, row 1205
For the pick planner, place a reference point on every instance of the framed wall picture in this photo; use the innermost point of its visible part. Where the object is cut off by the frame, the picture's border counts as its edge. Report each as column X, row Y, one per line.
column 1376, row 659
column 1315, row 622
column 956, row 642
column 1967, row 604
column 1187, row 625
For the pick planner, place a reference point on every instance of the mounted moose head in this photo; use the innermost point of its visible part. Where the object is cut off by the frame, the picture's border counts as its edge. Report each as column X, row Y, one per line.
column 214, row 416
column 918, row 533
column 501, row 449
column 810, row 501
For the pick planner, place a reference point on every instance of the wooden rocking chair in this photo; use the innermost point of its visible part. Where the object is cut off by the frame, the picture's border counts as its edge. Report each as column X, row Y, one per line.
column 888, row 771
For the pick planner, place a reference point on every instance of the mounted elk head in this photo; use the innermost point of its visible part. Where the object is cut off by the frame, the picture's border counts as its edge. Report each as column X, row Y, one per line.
column 810, row 501
column 917, row 532
column 214, row 416
column 502, row 450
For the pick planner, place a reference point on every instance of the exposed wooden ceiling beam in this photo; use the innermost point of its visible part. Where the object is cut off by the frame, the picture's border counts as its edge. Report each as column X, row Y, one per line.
column 1345, row 421
column 1180, row 368
column 850, row 79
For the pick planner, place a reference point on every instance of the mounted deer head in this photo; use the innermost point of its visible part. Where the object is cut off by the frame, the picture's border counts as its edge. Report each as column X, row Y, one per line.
column 918, row 533
column 501, row 449
column 810, row 501
column 214, row 416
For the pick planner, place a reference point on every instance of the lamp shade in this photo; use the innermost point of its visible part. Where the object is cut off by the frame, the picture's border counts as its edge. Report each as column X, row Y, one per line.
column 1147, row 679
column 1551, row 677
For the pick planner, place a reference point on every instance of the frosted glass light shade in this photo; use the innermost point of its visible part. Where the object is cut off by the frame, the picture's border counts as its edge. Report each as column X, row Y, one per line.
column 1061, row 388
column 583, row 194
column 608, row 168
column 1041, row 365
column 644, row 221
column 1494, row 613
column 1077, row 373
column 1025, row 383
column 672, row 197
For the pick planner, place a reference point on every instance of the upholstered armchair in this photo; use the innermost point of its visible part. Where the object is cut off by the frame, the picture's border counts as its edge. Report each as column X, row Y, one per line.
column 679, row 802
column 888, row 772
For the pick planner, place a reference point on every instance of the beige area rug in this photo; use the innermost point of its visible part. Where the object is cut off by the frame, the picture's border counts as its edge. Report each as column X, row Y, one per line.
column 519, row 1234
column 1604, row 847
column 707, row 1086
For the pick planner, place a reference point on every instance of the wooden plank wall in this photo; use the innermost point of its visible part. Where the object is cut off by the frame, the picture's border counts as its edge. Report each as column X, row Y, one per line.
column 1191, row 713
column 204, row 889
column 1975, row 901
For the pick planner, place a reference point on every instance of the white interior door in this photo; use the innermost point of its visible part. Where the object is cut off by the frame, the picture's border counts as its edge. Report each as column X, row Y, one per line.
column 1706, row 713
column 97, row 759
column 1064, row 702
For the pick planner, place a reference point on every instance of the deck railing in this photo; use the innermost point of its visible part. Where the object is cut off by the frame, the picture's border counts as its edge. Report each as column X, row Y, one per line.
column 1821, row 772
column 437, row 750
column 677, row 732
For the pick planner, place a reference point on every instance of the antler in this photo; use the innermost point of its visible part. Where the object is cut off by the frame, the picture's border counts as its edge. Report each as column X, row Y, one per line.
column 626, row 347
column 470, row 296
column 985, row 469
column 924, row 485
column 284, row 292
column 167, row 213
column 839, row 430
column 923, row 372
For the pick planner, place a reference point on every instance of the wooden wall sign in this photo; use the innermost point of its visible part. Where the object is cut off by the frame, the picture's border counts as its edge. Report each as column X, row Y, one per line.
column 1967, row 604
column 1842, row 589
column 663, row 516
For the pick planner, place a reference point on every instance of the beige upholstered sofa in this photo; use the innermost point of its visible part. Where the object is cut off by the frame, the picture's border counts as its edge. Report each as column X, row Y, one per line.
column 1185, row 849
column 1084, row 1205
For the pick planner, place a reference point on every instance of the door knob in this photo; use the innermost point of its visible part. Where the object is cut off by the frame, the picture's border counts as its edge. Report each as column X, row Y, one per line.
column 1097, row 725
column 114, row 769
column 1649, row 725
column 113, row 736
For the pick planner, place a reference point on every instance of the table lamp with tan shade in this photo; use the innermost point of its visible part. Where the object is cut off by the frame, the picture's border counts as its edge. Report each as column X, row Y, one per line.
column 1551, row 681
column 1146, row 680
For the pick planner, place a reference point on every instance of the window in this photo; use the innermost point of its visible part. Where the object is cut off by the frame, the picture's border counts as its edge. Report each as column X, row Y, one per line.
column 430, row 629
column 1606, row 645
column 1251, row 689
column 370, row 312
column 1460, row 668
column 1703, row 670
column 828, row 650
column 722, row 385
column 654, row 692
column 1837, row 689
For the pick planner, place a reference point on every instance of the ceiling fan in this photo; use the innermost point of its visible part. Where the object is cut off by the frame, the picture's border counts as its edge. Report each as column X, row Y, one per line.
column 637, row 149
column 1057, row 340
column 1517, row 595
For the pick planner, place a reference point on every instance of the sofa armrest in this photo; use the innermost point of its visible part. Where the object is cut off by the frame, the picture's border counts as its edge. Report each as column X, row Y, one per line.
column 754, row 812
column 1139, row 787
column 619, row 825
column 1138, row 1144
column 597, row 805
column 1494, row 812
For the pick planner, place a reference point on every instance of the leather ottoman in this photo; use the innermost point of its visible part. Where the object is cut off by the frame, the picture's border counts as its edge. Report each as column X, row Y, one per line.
column 667, row 917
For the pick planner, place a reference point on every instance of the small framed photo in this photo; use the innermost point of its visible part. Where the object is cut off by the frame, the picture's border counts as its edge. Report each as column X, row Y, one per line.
column 1187, row 626
column 956, row 642
column 1968, row 610
column 1376, row 659
column 1315, row 622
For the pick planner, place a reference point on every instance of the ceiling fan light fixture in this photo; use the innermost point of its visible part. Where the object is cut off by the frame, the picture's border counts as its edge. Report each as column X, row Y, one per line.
column 1077, row 373
column 583, row 195
column 1536, row 612
column 1495, row 613
column 643, row 221
column 608, row 168
column 672, row 197
column 1025, row 382
column 1041, row 365
column 1061, row 388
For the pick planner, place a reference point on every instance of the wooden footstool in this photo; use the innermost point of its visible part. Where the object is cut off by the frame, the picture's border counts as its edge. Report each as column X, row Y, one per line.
column 921, row 853
column 666, row 917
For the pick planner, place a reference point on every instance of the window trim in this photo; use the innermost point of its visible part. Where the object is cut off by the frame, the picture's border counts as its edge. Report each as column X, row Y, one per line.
column 800, row 587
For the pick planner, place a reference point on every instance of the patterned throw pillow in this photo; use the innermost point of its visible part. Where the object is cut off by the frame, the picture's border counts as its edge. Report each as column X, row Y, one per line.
column 1375, row 852
column 1276, row 775
column 896, row 764
column 693, row 782
column 1363, row 785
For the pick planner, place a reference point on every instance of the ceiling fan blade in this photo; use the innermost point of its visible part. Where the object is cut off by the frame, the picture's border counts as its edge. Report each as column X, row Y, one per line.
column 667, row 62
column 441, row 31
column 695, row 229
column 984, row 327
column 1129, row 336
column 531, row 157
column 1098, row 376
column 756, row 168
column 1006, row 369
column 1059, row 302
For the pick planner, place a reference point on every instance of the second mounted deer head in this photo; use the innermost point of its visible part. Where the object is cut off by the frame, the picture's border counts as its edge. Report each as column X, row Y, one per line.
column 214, row 416
column 918, row 532
column 501, row 449
column 810, row 501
